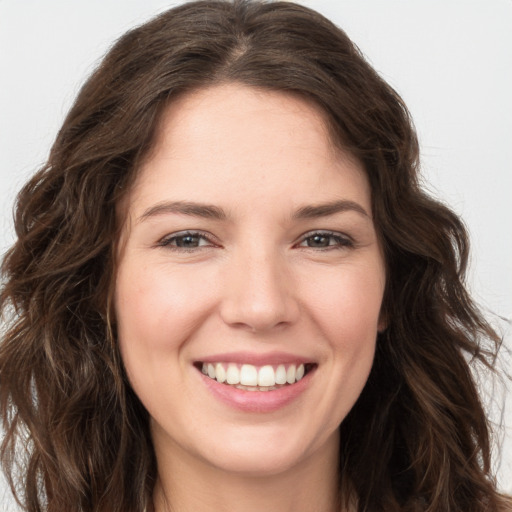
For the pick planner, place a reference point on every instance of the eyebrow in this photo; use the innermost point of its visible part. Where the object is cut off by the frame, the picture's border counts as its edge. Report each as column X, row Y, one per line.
column 209, row 211
column 331, row 208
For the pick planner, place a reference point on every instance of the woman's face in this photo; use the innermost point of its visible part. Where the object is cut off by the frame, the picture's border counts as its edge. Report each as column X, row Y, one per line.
column 249, row 253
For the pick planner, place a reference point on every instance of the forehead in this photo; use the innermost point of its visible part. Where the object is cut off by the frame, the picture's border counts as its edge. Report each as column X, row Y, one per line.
column 232, row 141
column 237, row 102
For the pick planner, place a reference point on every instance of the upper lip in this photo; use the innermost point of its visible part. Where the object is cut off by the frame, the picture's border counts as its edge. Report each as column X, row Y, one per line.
column 256, row 359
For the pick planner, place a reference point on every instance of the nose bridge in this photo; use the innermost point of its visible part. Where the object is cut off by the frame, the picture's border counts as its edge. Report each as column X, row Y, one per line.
column 260, row 293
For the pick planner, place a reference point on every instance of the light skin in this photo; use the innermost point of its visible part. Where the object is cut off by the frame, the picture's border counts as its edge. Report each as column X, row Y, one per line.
column 247, row 233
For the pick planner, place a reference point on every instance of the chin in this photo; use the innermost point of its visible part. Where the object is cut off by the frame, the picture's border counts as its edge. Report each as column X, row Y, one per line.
column 265, row 453
column 252, row 463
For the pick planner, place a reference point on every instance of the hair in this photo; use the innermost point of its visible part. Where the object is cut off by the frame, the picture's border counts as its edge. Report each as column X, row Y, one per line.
column 76, row 436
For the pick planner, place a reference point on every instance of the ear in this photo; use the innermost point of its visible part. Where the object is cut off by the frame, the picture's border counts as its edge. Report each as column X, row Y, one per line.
column 383, row 322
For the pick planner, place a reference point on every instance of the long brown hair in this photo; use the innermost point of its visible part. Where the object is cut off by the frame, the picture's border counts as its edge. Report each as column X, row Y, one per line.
column 76, row 436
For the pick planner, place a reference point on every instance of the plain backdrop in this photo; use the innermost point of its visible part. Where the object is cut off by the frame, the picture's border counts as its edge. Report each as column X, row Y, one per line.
column 451, row 60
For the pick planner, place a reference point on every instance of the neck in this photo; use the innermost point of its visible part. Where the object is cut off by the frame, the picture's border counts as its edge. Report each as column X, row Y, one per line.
column 188, row 485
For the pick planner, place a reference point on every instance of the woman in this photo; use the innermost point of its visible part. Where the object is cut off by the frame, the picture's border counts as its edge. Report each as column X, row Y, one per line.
column 229, row 292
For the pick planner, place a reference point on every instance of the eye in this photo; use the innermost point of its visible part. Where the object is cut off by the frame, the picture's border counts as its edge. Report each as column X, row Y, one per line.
column 325, row 240
column 186, row 241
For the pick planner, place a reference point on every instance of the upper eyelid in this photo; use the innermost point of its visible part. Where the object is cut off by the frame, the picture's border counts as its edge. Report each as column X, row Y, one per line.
column 214, row 240
column 325, row 232
column 342, row 241
column 187, row 232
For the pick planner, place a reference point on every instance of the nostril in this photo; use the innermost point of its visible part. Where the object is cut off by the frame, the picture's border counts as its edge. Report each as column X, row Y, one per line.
column 262, row 304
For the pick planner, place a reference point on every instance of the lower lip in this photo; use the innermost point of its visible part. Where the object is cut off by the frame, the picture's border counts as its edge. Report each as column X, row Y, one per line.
column 257, row 401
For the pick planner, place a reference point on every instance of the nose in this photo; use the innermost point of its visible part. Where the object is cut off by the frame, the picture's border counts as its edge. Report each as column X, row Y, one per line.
column 259, row 293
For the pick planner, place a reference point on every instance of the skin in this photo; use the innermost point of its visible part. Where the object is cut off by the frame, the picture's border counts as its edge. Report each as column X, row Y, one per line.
column 254, row 281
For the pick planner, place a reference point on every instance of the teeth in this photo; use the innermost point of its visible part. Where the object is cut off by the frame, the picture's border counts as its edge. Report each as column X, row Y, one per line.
column 266, row 376
column 233, row 374
column 220, row 373
column 281, row 374
column 290, row 374
column 250, row 378
column 248, row 375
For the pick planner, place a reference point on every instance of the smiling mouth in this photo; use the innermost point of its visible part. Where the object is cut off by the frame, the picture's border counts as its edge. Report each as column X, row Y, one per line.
column 249, row 377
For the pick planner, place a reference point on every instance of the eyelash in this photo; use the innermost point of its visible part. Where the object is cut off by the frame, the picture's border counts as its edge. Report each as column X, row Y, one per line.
column 341, row 241
column 168, row 241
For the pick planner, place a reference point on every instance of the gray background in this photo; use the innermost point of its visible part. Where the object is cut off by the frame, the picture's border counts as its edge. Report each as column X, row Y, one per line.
column 451, row 60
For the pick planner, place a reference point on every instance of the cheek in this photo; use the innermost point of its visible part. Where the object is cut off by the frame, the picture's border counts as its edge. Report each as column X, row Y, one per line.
column 345, row 308
column 156, row 312
column 346, row 304
column 152, row 300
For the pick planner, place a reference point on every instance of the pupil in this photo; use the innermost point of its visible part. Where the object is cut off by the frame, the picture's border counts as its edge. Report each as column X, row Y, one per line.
column 318, row 241
column 187, row 241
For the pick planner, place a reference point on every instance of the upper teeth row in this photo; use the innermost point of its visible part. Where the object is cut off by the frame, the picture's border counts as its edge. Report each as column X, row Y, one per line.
column 249, row 375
